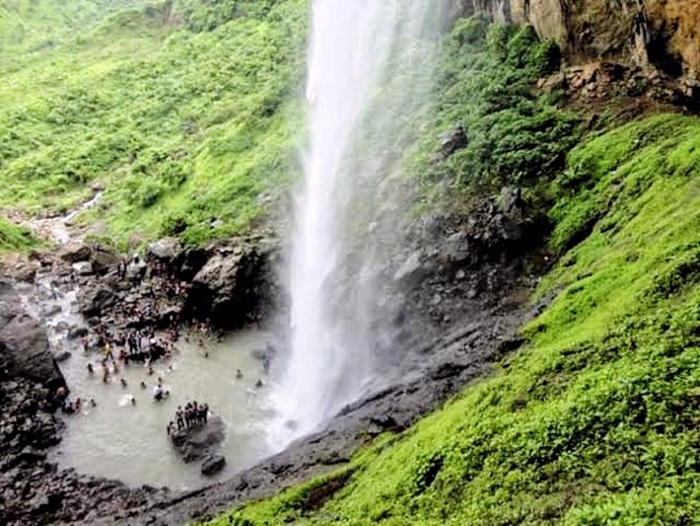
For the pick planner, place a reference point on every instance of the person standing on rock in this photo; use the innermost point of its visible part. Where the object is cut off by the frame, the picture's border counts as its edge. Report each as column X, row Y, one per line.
column 180, row 418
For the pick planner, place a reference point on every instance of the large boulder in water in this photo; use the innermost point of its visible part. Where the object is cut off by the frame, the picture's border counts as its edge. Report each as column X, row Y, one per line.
column 24, row 345
column 199, row 442
column 229, row 286
column 213, row 465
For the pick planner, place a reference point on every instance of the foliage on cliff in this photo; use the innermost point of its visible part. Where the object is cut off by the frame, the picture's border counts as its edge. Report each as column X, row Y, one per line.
column 184, row 127
column 594, row 420
column 511, row 134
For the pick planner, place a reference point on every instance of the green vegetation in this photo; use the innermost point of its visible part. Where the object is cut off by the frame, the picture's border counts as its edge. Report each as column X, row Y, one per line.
column 184, row 123
column 184, row 112
column 595, row 420
column 13, row 237
column 485, row 86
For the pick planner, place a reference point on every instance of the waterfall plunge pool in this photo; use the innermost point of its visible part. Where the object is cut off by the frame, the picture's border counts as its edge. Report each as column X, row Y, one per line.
column 129, row 442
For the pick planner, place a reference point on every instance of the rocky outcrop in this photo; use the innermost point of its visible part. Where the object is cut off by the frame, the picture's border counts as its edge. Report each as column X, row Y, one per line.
column 33, row 490
column 651, row 34
column 24, row 345
column 199, row 442
column 230, row 287
column 97, row 301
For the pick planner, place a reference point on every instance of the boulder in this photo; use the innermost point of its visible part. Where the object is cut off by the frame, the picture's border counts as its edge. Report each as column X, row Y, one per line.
column 213, row 465
column 24, row 344
column 62, row 357
column 103, row 259
column 199, row 442
column 193, row 260
column 83, row 268
column 228, row 288
column 456, row 248
column 452, row 141
column 411, row 272
column 75, row 252
column 165, row 250
column 95, row 301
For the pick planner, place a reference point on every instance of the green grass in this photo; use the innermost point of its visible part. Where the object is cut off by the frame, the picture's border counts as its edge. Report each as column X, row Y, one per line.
column 595, row 420
column 184, row 126
column 14, row 238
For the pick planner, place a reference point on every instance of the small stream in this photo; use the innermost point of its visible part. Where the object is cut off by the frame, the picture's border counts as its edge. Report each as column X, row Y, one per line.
column 129, row 442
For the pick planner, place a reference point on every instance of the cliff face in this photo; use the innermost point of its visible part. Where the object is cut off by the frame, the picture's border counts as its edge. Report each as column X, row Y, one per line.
column 651, row 34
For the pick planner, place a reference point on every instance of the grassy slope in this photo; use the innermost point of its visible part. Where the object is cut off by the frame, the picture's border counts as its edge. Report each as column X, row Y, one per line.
column 594, row 420
column 13, row 237
column 184, row 128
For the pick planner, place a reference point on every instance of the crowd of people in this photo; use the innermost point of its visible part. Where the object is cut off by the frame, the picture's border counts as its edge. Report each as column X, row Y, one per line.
column 127, row 337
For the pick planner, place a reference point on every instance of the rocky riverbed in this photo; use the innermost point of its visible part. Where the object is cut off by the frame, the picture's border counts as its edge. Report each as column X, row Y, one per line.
column 456, row 293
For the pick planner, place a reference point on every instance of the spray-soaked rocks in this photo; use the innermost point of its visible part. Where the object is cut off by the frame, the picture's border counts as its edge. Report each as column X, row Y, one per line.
column 233, row 286
column 24, row 345
column 199, row 441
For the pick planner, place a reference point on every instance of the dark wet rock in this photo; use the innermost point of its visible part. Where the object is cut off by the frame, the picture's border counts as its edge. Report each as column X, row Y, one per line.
column 456, row 248
column 452, row 141
column 213, row 464
column 31, row 454
column 193, row 260
column 77, row 332
column 24, row 345
column 228, row 288
column 26, row 272
column 199, row 442
column 167, row 313
column 62, row 357
column 50, row 309
column 75, row 252
column 96, row 301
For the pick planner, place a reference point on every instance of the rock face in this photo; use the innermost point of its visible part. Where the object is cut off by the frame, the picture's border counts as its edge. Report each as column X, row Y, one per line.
column 200, row 442
column 659, row 34
column 24, row 345
column 229, row 286
column 95, row 301
column 103, row 259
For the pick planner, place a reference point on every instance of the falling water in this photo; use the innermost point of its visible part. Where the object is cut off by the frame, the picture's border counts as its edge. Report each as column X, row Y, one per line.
column 357, row 49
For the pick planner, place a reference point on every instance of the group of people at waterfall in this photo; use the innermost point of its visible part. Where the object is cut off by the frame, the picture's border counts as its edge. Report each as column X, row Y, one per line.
column 188, row 417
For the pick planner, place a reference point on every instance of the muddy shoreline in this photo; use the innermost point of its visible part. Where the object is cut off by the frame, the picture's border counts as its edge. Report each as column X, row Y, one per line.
column 459, row 295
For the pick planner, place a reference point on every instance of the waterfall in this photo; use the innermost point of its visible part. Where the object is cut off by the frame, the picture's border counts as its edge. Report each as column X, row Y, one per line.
column 359, row 51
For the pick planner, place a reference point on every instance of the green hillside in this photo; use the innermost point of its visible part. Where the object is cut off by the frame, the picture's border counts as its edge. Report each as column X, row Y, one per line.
column 186, row 112
column 184, row 126
column 595, row 420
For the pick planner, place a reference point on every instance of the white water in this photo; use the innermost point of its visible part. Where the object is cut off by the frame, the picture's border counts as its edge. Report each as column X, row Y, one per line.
column 332, row 359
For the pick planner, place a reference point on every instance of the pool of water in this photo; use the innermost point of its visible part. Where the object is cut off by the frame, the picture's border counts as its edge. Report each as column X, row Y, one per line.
column 129, row 442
